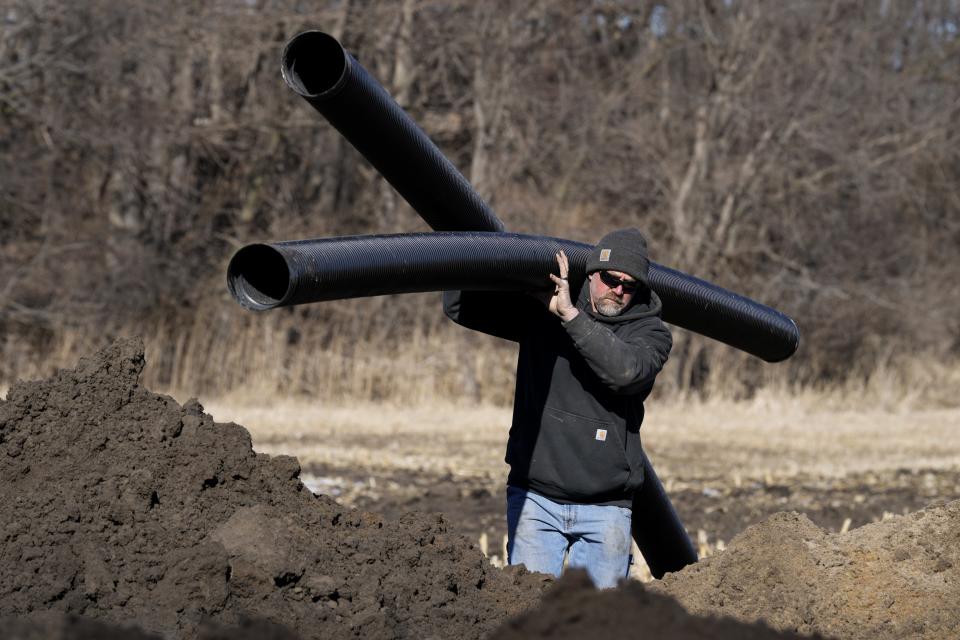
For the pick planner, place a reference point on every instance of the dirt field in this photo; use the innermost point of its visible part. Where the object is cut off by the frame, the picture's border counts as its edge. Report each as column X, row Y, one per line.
column 120, row 506
column 725, row 465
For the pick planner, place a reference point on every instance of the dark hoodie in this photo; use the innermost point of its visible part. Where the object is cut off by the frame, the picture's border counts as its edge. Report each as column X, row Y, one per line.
column 580, row 389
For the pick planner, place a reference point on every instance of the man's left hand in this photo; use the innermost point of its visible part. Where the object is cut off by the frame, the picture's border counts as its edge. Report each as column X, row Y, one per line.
column 560, row 304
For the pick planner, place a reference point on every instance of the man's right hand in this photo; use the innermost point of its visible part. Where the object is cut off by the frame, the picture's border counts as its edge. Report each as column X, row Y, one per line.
column 560, row 304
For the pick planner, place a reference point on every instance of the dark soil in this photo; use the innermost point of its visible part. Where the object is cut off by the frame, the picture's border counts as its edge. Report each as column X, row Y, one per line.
column 472, row 505
column 477, row 505
column 573, row 610
column 119, row 504
column 63, row 626
column 864, row 498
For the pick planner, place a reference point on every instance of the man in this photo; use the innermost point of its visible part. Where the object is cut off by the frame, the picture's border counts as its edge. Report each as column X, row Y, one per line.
column 584, row 370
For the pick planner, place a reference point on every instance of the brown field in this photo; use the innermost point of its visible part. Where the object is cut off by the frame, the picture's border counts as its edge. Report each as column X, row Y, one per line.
column 726, row 465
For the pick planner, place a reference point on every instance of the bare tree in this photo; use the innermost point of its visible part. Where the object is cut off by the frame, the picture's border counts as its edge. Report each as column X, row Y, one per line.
column 804, row 154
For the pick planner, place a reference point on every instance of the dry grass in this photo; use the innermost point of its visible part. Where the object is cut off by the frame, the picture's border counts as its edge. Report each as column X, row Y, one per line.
column 352, row 354
column 438, row 440
column 688, row 441
column 783, row 436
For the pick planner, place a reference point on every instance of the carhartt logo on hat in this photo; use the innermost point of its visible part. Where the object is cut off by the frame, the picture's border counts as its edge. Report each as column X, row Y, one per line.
column 605, row 255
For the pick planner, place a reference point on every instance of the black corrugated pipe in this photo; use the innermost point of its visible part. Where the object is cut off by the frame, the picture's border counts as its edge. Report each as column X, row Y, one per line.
column 318, row 68
column 264, row 276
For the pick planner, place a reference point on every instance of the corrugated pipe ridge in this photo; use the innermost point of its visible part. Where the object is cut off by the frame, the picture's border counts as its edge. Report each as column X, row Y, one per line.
column 264, row 276
column 318, row 68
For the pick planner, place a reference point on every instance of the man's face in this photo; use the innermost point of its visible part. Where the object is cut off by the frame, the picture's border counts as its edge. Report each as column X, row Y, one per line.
column 611, row 292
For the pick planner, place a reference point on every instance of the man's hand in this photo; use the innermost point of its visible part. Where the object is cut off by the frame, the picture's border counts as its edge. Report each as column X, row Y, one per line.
column 560, row 304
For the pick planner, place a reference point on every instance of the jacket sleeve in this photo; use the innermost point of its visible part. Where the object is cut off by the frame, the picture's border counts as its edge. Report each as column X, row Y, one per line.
column 627, row 364
column 504, row 315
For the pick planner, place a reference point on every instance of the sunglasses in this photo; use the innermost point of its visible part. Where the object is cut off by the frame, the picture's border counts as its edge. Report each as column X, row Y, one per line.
column 613, row 282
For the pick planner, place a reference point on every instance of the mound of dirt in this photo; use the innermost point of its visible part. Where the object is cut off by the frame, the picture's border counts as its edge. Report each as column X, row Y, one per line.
column 121, row 505
column 899, row 578
column 572, row 609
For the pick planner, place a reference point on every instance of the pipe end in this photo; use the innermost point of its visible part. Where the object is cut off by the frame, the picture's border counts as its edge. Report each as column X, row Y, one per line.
column 791, row 341
column 314, row 64
column 258, row 277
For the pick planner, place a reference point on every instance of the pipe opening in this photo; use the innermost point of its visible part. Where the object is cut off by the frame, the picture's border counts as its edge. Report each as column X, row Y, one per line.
column 314, row 63
column 258, row 277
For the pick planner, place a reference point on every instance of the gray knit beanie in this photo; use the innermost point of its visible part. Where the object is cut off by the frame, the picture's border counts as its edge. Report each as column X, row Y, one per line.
column 622, row 250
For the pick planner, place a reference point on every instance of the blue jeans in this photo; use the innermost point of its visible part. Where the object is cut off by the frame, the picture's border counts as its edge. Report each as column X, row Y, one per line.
column 540, row 532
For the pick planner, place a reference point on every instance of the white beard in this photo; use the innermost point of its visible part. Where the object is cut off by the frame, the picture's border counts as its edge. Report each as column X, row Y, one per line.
column 610, row 308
